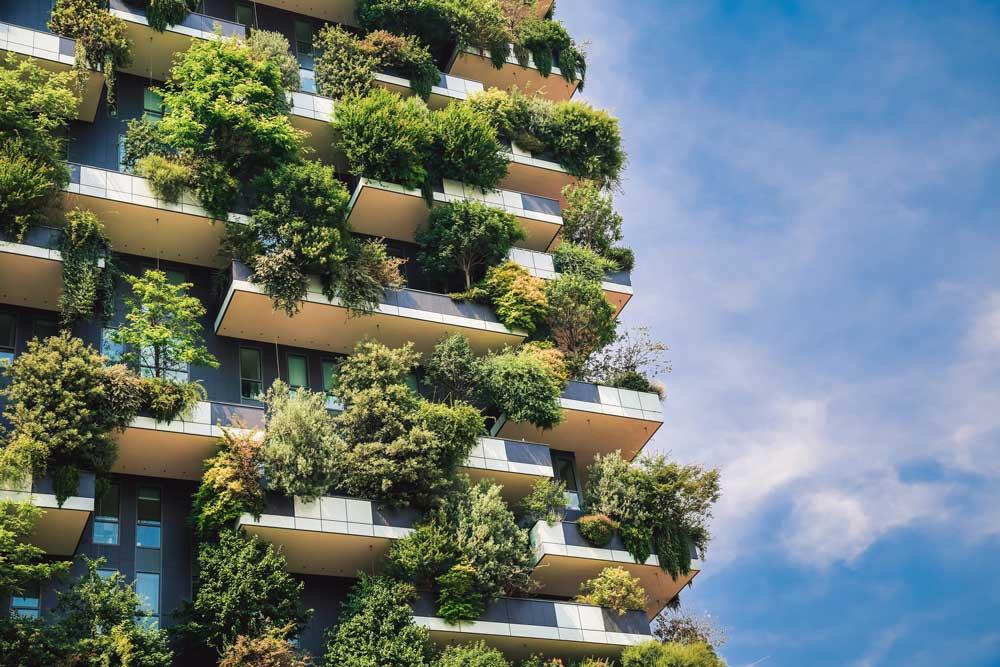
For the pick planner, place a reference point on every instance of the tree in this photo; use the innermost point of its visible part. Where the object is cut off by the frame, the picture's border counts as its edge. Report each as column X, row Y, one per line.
column 471, row 655
column 161, row 325
column 546, row 501
column 677, row 626
column 273, row 46
column 655, row 654
column 243, row 590
column 22, row 563
column 453, row 370
column 376, row 628
column 231, row 484
column 522, row 386
column 271, row 650
column 466, row 148
column 589, row 217
column 465, row 236
column 629, row 361
column 580, row 318
column 614, row 588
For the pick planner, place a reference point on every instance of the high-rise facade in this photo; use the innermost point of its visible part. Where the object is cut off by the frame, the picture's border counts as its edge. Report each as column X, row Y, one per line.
column 139, row 523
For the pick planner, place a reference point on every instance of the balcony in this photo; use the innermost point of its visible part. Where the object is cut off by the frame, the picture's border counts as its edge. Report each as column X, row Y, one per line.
column 56, row 54
column 475, row 64
column 516, row 465
column 538, row 174
column 563, row 560
column 139, row 223
column 31, row 271
column 392, row 211
column 332, row 536
column 334, row 11
column 178, row 449
column 596, row 420
column 617, row 286
column 153, row 52
column 404, row 315
column 520, row 627
column 59, row 529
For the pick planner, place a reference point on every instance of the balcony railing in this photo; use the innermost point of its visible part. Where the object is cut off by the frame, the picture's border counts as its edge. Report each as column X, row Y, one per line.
column 476, row 64
column 194, row 24
column 617, row 285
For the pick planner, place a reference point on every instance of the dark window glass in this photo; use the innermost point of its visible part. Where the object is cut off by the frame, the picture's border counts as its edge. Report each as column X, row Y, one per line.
column 244, row 14
column 147, row 587
column 251, row 380
column 147, row 532
column 45, row 328
column 8, row 336
column 304, row 43
column 330, row 371
column 27, row 604
column 297, row 373
column 565, row 470
column 152, row 106
column 106, row 516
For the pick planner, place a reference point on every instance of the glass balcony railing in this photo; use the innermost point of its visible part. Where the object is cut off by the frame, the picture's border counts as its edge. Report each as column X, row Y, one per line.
column 36, row 43
column 193, row 21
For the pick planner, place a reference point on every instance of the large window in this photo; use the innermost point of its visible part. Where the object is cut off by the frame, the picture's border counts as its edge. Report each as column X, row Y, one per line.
column 564, row 466
column 45, row 328
column 147, row 587
column 8, row 337
column 147, row 530
column 251, row 376
column 298, row 374
column 244, row 14
column 152, row 106
column 28, row 604
column 106, row 516
column 330, row 371
column 304, row 43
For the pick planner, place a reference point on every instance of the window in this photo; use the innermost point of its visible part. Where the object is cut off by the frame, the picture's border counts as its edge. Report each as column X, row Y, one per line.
column 106, row 516
column 147, row 587
column 251, row 378
column 148, row 364
column 8, row 335
column 304, row 43
column 152, row 106
column 330, row 371
column 298, row 376
column 106, row 573
column 121, row 155
column 244, row 14
column 45, row 328
column 564, row 466
column 109, row 348
column 147, row 530
column 28, row 604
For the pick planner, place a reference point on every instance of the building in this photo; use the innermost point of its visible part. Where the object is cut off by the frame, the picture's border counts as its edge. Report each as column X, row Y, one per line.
column 140, row 524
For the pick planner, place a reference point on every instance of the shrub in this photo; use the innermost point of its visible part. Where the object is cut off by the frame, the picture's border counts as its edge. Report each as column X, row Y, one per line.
column 655, row 654
column 438, row 23
column 579, row 318
column 629, row 361
column 545, row 502
column 614, row 489
column 243, row 589
column 587, row 142
column 167, row 177
column 458, row 599
column 549, row 356
column 527, row 120
column 281, row 276
column 273, row 46
column 101, row 40
column 465, row 147
column 613, row 588
column 376, row 628
column 230, row 486
column 544, row 37
column 590, row 219
column 345, row 65
column 523, row 388
column 170, row 399
column 300, row 447
column 542, row 661
column 407, row 56
column 477, row 654
column 58, row 416
column 598, row 529
column 385, row 137
column 453, row 370
column 427, row 552
column 581, row 261
column 161, row 13
column 517, row 296
column 466, row 236
column 34, row 641
column 23, row 563
column 143, row 139
column 126, row 395
column 88, row 288
column 623, row 258
column 675, row 626
column 28, row 185
column 271, row 650
column 368, row 272
column 638, row 541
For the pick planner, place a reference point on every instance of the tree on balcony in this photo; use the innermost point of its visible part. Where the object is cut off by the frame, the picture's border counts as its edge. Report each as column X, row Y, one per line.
column 21, row 563
column 101, row 40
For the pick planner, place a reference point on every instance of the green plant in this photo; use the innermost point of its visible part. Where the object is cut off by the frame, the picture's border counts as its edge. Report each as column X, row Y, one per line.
column 615, row 489
column 385, row 137
column 655, row 654
column 597, row 529
column 458, row 599
column 587, row 142
column 638, row 541
column 300, row 446
column 523, row 387
column 126, row 395
column 622, row 257
column 545, row 502
column 543, row 38
column 406, row 55
column 465, row 147
column 466, row 236
column 101, row 40
column 142, row 139
column 614, row 588
column 580, row 319
column 590, row 219
column 88, row 287
column 681, row 627
column 629, row 362
column 477, row 654
column 368, row 272
column 527, row 120
column 27, row 187
column 438, row 23
column 282, row 278
column 169, row 399
column 58, row 414
column 517, row 296
column 243, row 589
column 168, row 177
column 230, row 485
column 581, row 261
column 271, row 650
column 273, row 46
column 427, row 552
column 542, row 661
column 376, row 628
column 34, row 641
column 345, row 65
column 453, row 370
column 162, row 328
column 23, row 563
column 163, row 13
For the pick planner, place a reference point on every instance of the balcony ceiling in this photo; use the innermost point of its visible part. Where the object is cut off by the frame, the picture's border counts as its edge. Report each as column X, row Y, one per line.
column 329, row 554
column 29, row 280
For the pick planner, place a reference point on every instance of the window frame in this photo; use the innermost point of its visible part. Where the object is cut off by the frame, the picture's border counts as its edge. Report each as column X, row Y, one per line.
column 27, row 606
column 149, row 523
column 107, row 519
column 298, row 356
column 259, row 380
column 8, row 349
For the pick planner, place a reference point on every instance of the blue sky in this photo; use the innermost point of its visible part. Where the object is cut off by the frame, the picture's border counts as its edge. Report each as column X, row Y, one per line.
column 814, row 196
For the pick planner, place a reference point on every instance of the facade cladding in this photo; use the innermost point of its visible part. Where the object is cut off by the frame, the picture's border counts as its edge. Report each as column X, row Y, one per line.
column 140, row 525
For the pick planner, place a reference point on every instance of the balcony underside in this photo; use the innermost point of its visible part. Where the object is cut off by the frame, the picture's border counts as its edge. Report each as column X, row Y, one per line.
column 153, row 52
column 30, row 276
column 325, row 553
column 58, row 530
column 479, row 67
column 335, row 11
column 527, row 175
column 515, row 485
column 161, row 453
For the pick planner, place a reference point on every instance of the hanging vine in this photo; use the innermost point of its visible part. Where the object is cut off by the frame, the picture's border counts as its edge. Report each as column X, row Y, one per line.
column 88, row 270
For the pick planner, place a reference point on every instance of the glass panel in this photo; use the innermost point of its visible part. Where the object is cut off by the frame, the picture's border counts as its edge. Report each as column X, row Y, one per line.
column 329, row 374
column 303, row 36
column 45, row 329
column 152, row 106
column 297, row 375
column 147, row 587
column 147, row 531
column 8, row 333
column 109, row 348
column 108, row 503
column 540, row 204
column 244, row 14
column 121, row 154
column 106, row 573
column 565, row 470
column 28, row 604
column 106, row 531
column 411, row 382
column 250, row 373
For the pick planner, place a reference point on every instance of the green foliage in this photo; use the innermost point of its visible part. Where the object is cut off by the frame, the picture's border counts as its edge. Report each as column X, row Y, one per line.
column 545, row 502
column 543, row 38
column 162, row 327
column 635, row 381
column 622, row 257
column 34, row 641
column 22, row 564
column 407, row 56
column 523, row 387
column 477, row 654
column 466, row 236
column 542, row 661
column 273, row 46
column 27, row 188
column 368, row 272
column 282, row 278
column 655, row 654
column 243, row 589
column 101, row 38
column 438, row 23
column 425, row 553
column 614, row 488
column 597, row 529
column 58, row 414
column 271, row 650
column 453, row 370
column 517, row 296
column 458, row 599
column 230, row 485
column 465, row 147
column 683, row 627
column 300, row 447
column 142, row 139
column 376, row 628
column 630, row 362
column 613, row 588
column 345, row 65
column 167, row 177
column 527, row 120
column 580, row 319
column 590, row 219
column 581, row 261
column 163, row 13
column 385, row 137
column 88, row 288
column 169, row 399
